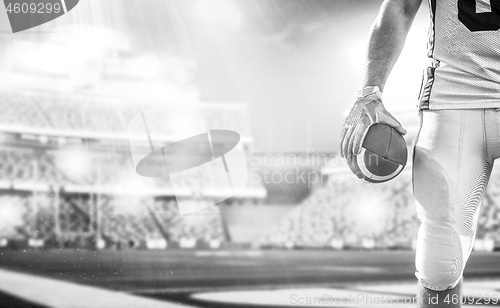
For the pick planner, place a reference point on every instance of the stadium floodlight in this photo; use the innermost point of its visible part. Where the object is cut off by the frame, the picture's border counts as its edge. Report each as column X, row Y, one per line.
column 368, row 243
column 172, row 140
column 489, row 244
column 100, row 244
column 156, row 243
column 187, row 242
column 413, row 243
column 369, row 213
column 74, row 162
column 43, row 139
column 36, row 243
column 11, row 213
column 214, row 243
column 486, row 244
column 337, row 243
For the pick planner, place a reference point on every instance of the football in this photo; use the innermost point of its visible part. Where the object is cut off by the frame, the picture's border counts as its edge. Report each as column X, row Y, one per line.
column 383, row 155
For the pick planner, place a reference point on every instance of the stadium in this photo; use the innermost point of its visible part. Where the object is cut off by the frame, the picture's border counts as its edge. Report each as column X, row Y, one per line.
column 81, row 227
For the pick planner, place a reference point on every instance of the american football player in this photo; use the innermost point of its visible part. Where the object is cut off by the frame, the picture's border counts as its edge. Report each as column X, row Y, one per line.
column 459, row 136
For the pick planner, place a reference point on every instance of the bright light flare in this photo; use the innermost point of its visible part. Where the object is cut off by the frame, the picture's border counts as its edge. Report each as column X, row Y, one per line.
column 369, row 214
column 130, row 205
column 222, row 13
column 74, row 163
column 69, row 49
column 11, row 213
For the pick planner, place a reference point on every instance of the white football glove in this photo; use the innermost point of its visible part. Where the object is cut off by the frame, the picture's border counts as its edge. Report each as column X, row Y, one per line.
column 367, row 111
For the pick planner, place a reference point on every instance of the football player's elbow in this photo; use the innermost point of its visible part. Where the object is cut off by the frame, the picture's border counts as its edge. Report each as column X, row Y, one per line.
column 405, row 10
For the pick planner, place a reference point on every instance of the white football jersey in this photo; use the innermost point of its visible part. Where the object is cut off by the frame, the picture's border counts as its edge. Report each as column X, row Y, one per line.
column 464, row 45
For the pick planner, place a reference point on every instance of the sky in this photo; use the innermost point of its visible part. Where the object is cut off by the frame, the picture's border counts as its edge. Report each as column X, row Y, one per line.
column 297, row 64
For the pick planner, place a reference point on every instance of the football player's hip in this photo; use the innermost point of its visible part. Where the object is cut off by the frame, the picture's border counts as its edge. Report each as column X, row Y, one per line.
column 454, row 151
column 446, row 87
column 475, row 131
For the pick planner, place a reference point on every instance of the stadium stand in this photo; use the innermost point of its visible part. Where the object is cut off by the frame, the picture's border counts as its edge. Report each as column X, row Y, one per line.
column 67, row 179
column 65, row 163
column 58, row 113
column 354, row 215
column 489, row 219
column 345, row 213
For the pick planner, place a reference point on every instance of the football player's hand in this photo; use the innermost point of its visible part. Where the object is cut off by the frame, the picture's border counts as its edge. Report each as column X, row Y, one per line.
column 366, row 112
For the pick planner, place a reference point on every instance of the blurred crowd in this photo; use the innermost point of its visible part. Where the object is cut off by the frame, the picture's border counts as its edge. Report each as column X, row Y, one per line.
column 73, row 221
column 352, row 215
column 27, row 165
column 85, row 114
column 108, row 166
column 67, row 176
column 64, row 189
column 337, row 215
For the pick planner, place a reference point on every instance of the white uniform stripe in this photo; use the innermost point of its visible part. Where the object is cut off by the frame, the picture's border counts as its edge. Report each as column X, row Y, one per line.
column 369, row 174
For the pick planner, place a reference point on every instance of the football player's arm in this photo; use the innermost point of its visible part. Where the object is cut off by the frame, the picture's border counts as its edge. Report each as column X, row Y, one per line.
column 387, row 38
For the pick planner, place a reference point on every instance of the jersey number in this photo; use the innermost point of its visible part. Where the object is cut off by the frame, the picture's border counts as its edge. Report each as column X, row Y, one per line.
column 487, row 21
